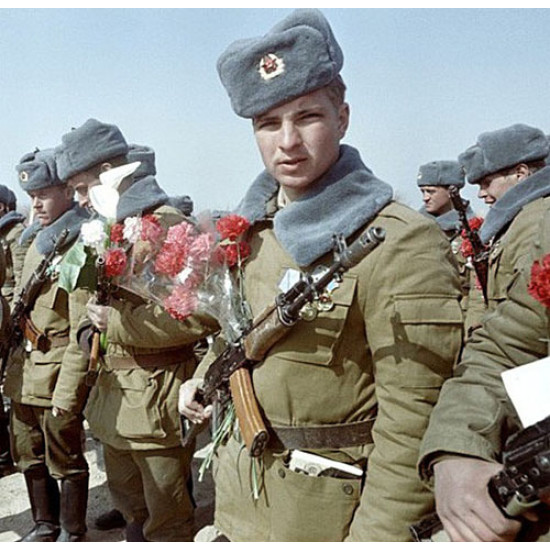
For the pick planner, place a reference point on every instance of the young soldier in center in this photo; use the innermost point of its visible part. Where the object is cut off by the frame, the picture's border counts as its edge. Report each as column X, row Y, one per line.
column 366, row 372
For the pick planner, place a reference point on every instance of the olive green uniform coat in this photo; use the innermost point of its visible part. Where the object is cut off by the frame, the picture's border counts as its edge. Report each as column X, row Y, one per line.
column 133, row 410
column 48, row 378
column 14, row 253
column 388, row 344
column 474, row 416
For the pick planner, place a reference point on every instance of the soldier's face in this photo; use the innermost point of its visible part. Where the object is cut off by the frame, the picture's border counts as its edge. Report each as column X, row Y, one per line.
column 80, row 184
column 300, row 140
column 493, row 186
column 49, row 203
column 436, row 199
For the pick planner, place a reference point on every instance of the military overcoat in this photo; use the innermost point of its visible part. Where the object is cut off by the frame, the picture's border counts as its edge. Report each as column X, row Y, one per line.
column 132, row 406
column 382, row 351
column 475, row 416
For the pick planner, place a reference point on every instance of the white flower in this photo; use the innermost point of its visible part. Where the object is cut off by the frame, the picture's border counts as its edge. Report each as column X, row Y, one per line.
column 183, row 275
column 93, row 235
column 132, row 229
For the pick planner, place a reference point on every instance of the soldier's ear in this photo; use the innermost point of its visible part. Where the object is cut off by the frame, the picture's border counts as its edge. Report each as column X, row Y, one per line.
column 522, row 171
column 105, row 166
column 343, row 119
column 68, row 193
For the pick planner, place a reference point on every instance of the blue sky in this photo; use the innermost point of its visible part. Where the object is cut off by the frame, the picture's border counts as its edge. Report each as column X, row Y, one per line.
column 423, row 84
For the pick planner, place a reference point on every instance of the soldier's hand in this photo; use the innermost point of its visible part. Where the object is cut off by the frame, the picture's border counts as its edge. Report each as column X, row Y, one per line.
column 464, row 505
column 56, row 411
column 98, row 315
column 188, row 406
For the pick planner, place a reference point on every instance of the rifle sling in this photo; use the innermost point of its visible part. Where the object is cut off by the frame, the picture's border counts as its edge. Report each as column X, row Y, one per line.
column 331, row 436
column 40, row 340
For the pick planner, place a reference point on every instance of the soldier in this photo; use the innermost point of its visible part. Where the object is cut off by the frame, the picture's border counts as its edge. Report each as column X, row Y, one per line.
column 12, row 224
column 6, row 462
column 471, row 420
column 47, row 393
column 358, row 383
column 148, row 355
column 508, row 165
column 11, row 227
column 434, row 180
column 464, row 442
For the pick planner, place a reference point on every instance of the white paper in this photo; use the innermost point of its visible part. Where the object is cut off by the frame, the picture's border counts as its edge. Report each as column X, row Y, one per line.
column 528, row 387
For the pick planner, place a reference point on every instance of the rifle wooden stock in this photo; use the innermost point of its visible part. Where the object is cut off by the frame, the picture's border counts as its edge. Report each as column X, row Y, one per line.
column 251, row 423
column 266, row 332
column 91, row 373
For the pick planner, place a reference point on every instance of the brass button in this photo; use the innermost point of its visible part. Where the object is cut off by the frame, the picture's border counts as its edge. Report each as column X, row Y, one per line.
column 348, row 489
column 282, row 473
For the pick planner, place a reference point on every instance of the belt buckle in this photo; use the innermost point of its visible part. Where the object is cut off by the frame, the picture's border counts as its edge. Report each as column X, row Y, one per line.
column 43, row 343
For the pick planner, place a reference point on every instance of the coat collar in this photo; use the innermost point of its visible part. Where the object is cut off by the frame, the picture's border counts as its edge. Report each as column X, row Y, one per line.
column 72, row 219
column 11, row 218
column 143, row 195
column 450, row 221
column 347, row 197
column 510, row 204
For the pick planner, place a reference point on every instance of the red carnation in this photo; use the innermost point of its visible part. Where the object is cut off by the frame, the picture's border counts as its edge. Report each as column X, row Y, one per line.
column 466, row 248
column 539, row 285
column 232, row 226
column 117, row 233
column 233, row 253
column 115, row 262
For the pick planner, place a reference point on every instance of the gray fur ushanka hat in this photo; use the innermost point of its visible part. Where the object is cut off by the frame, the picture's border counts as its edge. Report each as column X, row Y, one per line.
column 145, row 155
column 38, row 170
column 90, row 144
column 297, row 56
column 443, row 173
column 4, row 195
column 501, row 149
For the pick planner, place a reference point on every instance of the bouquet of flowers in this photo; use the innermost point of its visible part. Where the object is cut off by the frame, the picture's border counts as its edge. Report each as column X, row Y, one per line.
column 188, row 267
column 185, row 268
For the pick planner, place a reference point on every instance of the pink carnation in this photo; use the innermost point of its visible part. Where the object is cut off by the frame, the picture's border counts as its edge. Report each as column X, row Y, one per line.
column 171, row 259
column 181, row 303
column 180, row 233
column 151, row 230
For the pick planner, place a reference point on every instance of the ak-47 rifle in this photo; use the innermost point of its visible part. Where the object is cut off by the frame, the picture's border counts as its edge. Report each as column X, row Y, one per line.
column 480, row 256
column 517, row 488
column 102, row 298
column 25, row 301
column 232, row 367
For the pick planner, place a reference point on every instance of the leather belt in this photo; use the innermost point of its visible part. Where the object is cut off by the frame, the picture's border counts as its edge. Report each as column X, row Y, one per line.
column 148, row 360
column 41, row 341
column 330, row 436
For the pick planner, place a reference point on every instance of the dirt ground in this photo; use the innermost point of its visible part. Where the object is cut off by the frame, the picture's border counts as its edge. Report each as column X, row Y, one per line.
column 16, row 518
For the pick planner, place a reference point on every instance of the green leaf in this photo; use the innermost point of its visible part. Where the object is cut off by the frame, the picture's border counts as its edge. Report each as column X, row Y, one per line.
column 71, row 265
